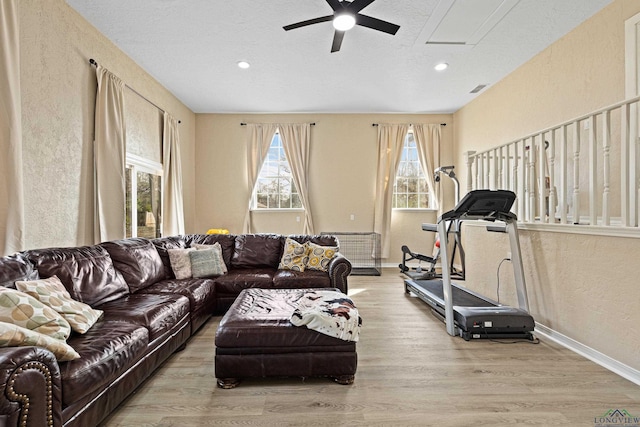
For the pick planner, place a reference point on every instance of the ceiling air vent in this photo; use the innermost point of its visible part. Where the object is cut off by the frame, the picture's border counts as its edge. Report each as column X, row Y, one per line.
column 478, row 88
column 457, row 24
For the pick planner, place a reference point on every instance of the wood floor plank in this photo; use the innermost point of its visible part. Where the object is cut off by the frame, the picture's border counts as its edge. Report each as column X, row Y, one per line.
column 410, row 372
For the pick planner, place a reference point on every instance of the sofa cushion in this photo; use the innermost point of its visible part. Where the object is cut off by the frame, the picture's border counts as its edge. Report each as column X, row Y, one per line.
column 290, row 279
column 257, row 250
column 16, row 267
column 21, row 309
column 227, row 244
column 52, row 292
column 157, row 312
column 86, row 271
column 199, row 291
column 16, row 336
column 242, row 278
column 138, row 261
column 162, row 244
column 318, row 239
column 106, row 351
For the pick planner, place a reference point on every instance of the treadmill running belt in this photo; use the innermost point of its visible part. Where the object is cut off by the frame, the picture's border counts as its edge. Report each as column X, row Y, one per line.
column 460, row 297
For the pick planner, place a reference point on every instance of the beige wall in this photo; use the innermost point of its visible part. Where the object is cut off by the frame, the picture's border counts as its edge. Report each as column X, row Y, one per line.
column 343, row 167
column 58, row 97
column 582, row 286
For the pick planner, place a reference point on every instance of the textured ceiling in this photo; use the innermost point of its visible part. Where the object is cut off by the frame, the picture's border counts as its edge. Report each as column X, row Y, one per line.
column 192, row 47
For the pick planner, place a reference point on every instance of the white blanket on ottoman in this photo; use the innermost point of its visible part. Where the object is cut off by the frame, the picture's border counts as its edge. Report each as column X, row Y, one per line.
column 328, row 312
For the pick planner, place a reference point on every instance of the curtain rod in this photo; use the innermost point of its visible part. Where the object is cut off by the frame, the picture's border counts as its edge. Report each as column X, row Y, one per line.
column 244, row 124
column 95, row 64
column 410, row 124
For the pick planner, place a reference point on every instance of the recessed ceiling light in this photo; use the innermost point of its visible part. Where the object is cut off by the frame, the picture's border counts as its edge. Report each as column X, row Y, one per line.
column 243, row 64
column 344, row 22
column 441, row 66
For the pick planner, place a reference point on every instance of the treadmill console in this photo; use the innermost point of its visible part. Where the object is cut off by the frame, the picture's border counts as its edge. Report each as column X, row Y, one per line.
column 489, row 205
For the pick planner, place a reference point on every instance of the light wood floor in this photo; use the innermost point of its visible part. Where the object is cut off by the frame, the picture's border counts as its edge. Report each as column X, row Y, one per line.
column 410, row 372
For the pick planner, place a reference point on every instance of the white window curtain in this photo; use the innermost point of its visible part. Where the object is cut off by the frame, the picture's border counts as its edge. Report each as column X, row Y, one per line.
column 390, row 142
column 173, row 204
column 427, row 137
column 11, row 185
column 109, row 158
column 258, row 143
column 296, row 143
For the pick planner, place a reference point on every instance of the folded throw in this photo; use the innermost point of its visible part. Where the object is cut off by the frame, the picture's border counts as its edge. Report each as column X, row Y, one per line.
column 328, row 312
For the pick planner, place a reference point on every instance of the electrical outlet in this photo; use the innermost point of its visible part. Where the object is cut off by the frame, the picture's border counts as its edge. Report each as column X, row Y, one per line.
column 297, row 219
column 352, row 217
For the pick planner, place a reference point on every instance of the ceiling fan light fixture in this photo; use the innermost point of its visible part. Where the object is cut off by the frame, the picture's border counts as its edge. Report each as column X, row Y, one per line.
column 344, row 21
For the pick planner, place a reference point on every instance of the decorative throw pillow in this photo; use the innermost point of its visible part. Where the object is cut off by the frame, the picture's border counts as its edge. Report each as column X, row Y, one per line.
column 319, row 256
column 180, row 262
column 295, row 256
column 52, row 293
column 15, row 336
column 217, row 251
column 27, row 312
column 205, row 263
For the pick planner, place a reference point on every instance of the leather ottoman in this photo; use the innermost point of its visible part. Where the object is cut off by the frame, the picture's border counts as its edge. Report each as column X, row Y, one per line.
column 255, row 338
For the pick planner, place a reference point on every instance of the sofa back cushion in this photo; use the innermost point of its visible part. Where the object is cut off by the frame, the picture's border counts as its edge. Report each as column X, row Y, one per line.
column 163, row 244
column 16, row 267
column 227, row 244
column 87, row 272
column 257, row 250
column 138, row 261
column 318, row 239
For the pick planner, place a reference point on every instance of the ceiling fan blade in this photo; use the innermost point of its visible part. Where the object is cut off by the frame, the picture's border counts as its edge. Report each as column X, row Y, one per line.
column 308, row 22
column 335, row 4
column 357, row 5
column 337, row 41
column 376, row 24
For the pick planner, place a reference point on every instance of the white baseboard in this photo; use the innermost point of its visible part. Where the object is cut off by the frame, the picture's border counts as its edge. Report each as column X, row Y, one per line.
column 601, row 359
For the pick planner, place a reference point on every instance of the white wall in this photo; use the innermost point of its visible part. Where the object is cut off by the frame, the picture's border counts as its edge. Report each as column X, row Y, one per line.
column 58, row 99
column 343, row 164
column 582, row 286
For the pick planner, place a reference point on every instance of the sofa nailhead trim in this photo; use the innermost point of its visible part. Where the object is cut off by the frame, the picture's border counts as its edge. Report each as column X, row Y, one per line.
column 23, row 399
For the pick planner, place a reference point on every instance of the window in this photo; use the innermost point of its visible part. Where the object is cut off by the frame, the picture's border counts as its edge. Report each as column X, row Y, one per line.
column 275, row 188
column 410, row 189
column 143, row 198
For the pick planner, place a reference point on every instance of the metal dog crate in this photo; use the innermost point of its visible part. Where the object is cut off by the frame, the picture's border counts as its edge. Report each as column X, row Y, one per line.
column 362, row 250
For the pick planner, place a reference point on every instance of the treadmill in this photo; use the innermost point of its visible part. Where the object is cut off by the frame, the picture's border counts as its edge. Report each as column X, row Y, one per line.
column 466, row 313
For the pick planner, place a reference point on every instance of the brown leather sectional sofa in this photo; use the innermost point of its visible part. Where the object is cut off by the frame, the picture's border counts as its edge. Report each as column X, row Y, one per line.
column 148, row 315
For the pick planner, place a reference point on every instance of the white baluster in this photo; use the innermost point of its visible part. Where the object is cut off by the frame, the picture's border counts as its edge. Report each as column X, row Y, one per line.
column 542, row 179
column 576, row 172
column 593, row 170
column 624, row 165
column 563, row 175
column 531, row 208
column 606, row 166
column 522, row 172
column 500, row 164
column 469, row 159
column 551, row 207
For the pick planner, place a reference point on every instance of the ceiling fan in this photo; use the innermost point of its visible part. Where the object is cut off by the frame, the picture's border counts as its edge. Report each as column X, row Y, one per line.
column 346, row 14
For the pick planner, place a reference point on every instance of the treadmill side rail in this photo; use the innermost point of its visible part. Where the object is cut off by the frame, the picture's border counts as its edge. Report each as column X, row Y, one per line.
column 446, row 279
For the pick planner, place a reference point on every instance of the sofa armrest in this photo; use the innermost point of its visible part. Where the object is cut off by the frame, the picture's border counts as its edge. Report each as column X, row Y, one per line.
column 30, row 387
column 339, row 270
